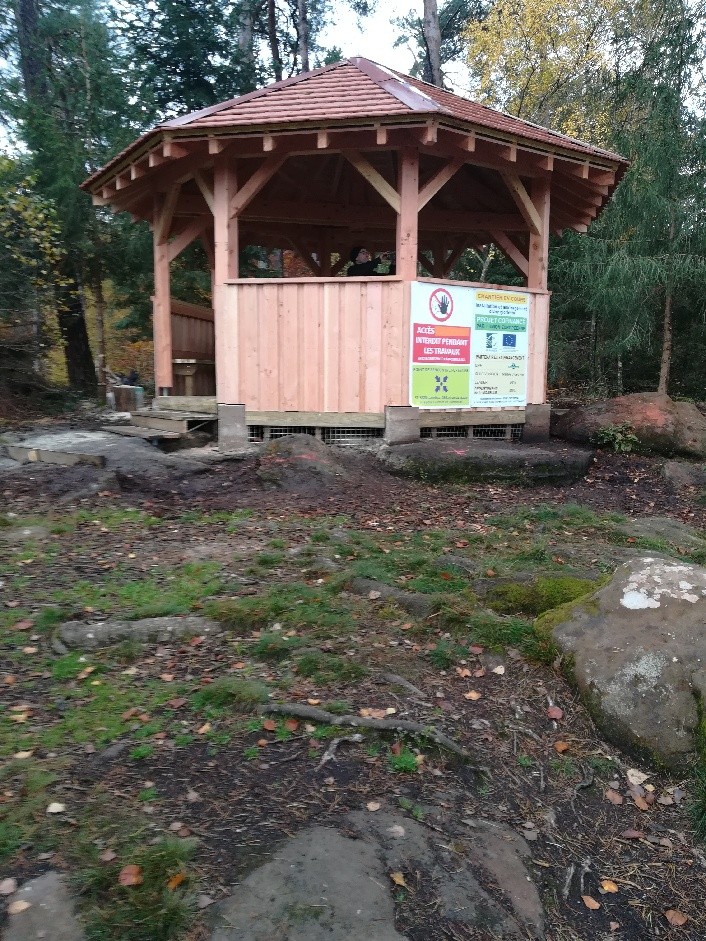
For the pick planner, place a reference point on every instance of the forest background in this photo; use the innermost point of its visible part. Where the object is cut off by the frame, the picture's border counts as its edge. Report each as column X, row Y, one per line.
column 79, row 81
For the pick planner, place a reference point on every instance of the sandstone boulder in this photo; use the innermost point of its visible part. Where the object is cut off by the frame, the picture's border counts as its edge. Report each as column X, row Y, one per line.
column 637, row 649
column 660, row 424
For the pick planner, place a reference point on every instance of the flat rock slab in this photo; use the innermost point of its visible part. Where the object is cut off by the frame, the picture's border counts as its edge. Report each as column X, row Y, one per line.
column 50, row 914
column 638, row 648
column 414, row 603
column 86, row 635
column 52, row 456
column 326, row 886
column 322, row 886
column 665, row 529
column 475, row 461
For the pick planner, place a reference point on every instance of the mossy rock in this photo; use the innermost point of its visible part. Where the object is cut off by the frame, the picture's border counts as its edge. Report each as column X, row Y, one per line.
column 534, row 598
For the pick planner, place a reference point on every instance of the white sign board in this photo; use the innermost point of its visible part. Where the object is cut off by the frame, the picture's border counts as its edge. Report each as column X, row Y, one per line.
column 468, row 346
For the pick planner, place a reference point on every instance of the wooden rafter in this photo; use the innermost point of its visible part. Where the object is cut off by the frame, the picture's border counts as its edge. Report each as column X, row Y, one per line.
column 511, row 251
column 440, row 179
column 523, row 202
column 455, row 254
column 257, row 181
column 206, row 189
column 305, row 256
column 374, row 177
column 187, row 236
column 163, row 219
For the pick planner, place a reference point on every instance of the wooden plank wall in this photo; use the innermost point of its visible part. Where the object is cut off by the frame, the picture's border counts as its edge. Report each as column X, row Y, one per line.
column 192, row 333
column 317, row 345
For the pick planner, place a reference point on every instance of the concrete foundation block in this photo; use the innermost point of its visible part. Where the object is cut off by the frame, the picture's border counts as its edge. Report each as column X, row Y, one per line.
column 537, row 418
column 401, row 424
column 232, row 428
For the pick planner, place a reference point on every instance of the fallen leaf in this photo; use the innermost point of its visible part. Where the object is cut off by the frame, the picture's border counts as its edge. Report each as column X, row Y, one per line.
column 176, row 703
column 269, row 725
column 373, row 806
column 291, row 725
column 590, row 902
column 107, row 856
column 130, row 714
column 261, row 742
column 18, row 906
column 632, row 835
column 476, row 649
column 463, row 672
column 398, row 879
column 192, row 796
column 675, row 917
column 500, row 670
column 8, row 886
column 130, row 875
column 166, row 677
column 203, row 901
column 22, row 625
column 609, row 886
column 206, row 727
column 473, row 695
column 30, row 650
column 490, row 573
column 56, row 808
column 373, row 595
column 396, row 748
column 641, row 803
column 554, row 712
column 561, row 747
column 313, row 702
column 614, row 797
column 373, row 713
column 614, row 925
column 665, row 799
column 176, row 880
column 636, row 777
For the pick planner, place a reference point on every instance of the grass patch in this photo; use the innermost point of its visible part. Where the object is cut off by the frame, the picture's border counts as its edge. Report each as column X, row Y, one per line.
column 534, row 598
column 316, row 610
column 324, row 668
column 230, row 691
column 403, row 763
column 276, row 647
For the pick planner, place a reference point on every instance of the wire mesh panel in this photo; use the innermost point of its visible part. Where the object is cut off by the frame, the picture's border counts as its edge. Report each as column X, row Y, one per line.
column 281, row 431
column 450, row 431
column 350, row 437
column 504, row 432
column 516, row 432
column 256, row 433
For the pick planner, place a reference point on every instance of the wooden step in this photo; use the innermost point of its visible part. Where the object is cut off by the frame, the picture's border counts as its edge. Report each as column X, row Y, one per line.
column 174, row 415
column 179, row 425
column 199, row 404
column 147, row 434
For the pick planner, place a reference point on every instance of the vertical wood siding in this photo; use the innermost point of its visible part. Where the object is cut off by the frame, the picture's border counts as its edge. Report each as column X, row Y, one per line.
column 318, row 345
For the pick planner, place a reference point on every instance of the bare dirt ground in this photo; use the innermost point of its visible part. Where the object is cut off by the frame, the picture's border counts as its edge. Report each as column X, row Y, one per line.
column 140, row 742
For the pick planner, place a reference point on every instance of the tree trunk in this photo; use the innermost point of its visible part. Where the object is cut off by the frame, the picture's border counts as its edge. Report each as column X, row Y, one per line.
column 432, row 41
column 32, row 58
column 303, row 34
column 273, row 40
column 100, row 335
column 72, row 325
column 666, row 362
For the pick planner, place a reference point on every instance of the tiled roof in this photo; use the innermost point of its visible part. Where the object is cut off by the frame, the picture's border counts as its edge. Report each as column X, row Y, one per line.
column 358, row 88
column 353, row 90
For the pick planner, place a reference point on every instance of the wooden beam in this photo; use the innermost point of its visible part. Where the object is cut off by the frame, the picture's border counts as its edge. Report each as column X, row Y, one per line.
column 257, row 181
column 136, row 171
column 305, row 256
column 380, row 135
column 161, row 315
column 439, row 180
column 407, row 219
column 374, row 177
column 155, row 158
column 511, row 251
column 430, row 133
column 539, row 240
column 205, row 188
column 173, row 151
column 269, row 143
column 425, row 263
column 456, row 253
column 468, row 142
column 187, row 236
column 163, row 222
column 225, row 268
column 215, row 146
column 523, row 202
column 322, row 139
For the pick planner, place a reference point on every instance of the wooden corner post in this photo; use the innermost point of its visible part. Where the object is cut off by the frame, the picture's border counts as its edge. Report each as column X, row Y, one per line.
column 538, row 264
column 163, row 212
column 407, row 219
column 225, row 264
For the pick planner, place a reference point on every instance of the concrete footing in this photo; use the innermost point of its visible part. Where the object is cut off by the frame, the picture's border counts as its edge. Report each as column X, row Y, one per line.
column 232, row 428
column 536, row 423
column 401, row 424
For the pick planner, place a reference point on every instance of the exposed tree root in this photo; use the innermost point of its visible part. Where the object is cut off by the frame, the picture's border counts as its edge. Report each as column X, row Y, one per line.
column 365, row 722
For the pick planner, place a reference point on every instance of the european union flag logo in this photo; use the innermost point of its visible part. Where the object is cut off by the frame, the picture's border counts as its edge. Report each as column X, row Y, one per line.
column 509, row 339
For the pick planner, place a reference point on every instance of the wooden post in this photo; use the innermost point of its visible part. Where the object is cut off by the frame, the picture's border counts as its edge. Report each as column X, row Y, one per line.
column 161, row 316
column 537, row 278
column 407, row 221
column 225, row 264
column 325, row 253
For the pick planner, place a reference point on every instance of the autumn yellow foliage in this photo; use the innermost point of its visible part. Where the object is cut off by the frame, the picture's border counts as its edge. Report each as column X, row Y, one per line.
column 539, row 60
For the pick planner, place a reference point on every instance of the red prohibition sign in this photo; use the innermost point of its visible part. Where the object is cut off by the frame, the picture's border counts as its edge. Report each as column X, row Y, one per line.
column 441, row 304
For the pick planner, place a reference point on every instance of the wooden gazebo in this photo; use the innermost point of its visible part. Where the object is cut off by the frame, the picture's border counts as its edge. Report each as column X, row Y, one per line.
column 355, row 154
